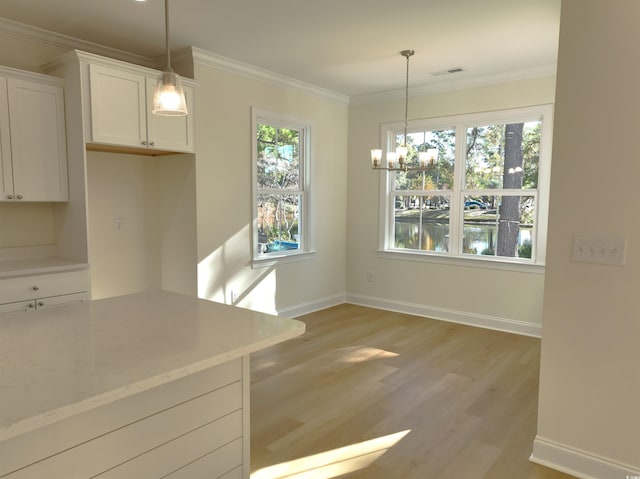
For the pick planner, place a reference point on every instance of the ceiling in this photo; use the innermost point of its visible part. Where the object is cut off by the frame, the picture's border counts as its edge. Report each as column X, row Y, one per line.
column 351, row 47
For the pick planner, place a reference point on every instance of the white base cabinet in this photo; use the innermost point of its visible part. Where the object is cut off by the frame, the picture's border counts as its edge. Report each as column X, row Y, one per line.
column 33, row 154
column 34, row 292
column 147, row 385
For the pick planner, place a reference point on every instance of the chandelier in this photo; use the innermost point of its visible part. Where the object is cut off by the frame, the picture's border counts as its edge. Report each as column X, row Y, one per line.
column 397, row 160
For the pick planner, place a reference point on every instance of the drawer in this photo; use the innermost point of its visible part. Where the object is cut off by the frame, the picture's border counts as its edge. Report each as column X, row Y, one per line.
column 24, row 288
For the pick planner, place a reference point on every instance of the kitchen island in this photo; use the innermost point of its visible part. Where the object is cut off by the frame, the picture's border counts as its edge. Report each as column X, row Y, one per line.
column 148, row 385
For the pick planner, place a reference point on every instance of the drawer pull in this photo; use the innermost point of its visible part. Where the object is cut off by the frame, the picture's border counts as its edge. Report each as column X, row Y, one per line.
column 40, row 303
column 30, row 306
column 36, row 288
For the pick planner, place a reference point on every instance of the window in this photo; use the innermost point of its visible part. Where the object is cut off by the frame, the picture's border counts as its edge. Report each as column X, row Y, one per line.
column 280, row 186
column 487, row 196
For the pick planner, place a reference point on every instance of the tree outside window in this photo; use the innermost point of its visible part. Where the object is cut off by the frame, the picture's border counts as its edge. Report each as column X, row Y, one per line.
column 485, row 198
column 280, row 191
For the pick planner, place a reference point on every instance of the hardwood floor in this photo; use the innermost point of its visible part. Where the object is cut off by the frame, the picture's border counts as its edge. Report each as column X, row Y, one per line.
column 373, row 394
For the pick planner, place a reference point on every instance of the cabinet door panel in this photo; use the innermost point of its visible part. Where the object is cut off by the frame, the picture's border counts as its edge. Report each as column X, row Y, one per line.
column 117, row 107
column 54, row 301
column 38, row 141
column 6, row 171
column 171, row 133
column 18, row 306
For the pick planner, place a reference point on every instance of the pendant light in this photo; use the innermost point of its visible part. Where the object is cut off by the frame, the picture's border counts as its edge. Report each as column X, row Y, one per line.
column 396, row 160
column 168, row 98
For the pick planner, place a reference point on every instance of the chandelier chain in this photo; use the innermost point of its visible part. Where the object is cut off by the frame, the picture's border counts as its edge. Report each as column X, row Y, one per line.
column 407, row 54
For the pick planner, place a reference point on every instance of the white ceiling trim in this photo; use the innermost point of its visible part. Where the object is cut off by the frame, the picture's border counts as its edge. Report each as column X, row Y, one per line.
column 219, row 62
column 64, row 42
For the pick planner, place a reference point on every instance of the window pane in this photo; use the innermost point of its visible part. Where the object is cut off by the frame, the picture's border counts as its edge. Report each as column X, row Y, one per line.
column 278, row 223
column 498, row 226
column 440, row 177
column 421, row 223
column 278, row 162
column 503, row 156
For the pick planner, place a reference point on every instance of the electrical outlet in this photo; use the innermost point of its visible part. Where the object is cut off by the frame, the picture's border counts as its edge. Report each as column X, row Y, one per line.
column 599, row 250
column 118, row 225
column 371, row 277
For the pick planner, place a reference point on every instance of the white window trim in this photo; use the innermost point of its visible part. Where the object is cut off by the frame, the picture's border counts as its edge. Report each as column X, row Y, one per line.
column 460, row 122
column 305, row 251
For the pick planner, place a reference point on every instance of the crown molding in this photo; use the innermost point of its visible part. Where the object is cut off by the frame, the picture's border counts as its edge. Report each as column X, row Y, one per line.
column 446, row 83
column 203, row 57
column 230, row 65
column 65, row 42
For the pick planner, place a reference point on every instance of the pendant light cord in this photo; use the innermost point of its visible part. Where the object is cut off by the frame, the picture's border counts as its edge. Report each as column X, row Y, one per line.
column 166, row 35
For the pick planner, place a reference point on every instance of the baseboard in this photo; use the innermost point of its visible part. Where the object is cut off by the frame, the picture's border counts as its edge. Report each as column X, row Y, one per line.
column 462, row 317
column 578, row 463
column 312, row 306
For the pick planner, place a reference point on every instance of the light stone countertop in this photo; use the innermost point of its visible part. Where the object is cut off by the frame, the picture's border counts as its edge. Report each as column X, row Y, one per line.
column 23, row 267
column 62, row 361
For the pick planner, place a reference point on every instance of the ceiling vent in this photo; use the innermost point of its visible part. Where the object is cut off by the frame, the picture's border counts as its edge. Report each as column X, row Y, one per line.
column 448, row 71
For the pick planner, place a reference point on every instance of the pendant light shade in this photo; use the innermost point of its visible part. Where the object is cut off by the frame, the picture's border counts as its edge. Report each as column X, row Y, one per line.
column 168, row 98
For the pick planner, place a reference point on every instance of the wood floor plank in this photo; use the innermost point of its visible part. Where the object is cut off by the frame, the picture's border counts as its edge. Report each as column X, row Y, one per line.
column 382, row 395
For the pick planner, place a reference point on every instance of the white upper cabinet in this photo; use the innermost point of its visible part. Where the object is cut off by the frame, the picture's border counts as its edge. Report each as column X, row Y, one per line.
column 121, row 100
column 32, row 139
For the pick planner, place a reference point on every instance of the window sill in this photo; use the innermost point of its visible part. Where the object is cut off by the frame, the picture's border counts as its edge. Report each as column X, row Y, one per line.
column 273, row 260
column 471, row 262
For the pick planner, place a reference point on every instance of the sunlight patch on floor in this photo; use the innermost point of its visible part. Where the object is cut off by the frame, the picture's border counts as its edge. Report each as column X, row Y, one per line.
column 363, row 353
column 334, row 463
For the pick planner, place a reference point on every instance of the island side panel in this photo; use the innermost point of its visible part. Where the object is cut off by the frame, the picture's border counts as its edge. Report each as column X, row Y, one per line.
column 202, row 417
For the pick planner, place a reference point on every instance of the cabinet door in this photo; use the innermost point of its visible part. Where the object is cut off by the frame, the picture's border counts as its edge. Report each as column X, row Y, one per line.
column 170, row 133
column 43, row 303
column 118, row 107
column 38, row 141
column 18, row 306
column 6, row 171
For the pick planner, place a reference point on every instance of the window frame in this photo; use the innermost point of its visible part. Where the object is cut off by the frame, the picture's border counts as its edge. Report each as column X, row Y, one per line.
column 259, row 116
column 461, row 123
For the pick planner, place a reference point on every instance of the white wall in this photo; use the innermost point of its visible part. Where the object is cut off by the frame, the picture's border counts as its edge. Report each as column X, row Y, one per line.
column 26, row 224
column 225, row 205
column 488, row 297
column 155, row 199
column 589, row 411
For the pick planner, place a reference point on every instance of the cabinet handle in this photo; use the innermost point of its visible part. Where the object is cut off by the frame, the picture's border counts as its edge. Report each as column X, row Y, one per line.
column 10, row 197
column 40, row 303
column 144, row 143
column 19, row 197
column 30, row 306
column 36, row 288
column 152, row 143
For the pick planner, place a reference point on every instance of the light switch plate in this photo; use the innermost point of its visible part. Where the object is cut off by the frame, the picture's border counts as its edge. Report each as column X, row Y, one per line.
column 599, row 250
